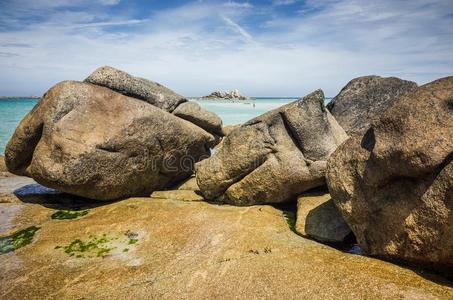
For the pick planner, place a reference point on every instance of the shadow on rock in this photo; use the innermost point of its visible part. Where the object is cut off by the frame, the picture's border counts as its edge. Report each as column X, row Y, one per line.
column 51, row 198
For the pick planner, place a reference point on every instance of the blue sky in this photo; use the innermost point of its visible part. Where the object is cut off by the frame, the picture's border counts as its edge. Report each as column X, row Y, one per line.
column 263, row 48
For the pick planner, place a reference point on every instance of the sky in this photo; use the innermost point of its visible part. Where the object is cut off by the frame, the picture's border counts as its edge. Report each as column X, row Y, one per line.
column 262, row 48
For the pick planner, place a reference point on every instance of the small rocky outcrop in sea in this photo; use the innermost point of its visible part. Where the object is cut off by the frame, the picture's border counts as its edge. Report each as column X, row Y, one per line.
column 273, row 157
column 89, row 140
column 233, row 95
column 394, row 184
column 366, row 98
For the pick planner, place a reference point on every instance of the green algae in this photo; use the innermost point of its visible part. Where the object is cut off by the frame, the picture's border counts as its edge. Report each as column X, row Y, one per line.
column 100, row 246
column 93, row 247
column 17, row 240
column 132, row 241
column 68, row 214
column 290, row 220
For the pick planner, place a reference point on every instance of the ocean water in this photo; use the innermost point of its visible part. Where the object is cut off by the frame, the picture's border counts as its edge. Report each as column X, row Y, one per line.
column 232, row 112
column 11, row 113
column 240, row 111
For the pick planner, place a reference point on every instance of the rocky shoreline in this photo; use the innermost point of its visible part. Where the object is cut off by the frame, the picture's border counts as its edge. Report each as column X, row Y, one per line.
column 115, row 191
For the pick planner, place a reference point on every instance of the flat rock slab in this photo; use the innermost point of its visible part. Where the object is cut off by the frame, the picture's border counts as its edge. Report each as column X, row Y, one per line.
column 181, row 195
column 9, row 182
column 158, row 248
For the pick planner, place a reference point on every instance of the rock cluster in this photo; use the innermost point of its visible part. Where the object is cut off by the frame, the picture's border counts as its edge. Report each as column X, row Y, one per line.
column 231, row 95
column 394, row 184
column 115, row 135
column 273, row 157
column 95, row 139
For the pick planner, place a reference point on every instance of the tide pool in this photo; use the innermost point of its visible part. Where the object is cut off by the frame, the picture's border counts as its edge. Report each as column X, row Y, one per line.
column 232, row 112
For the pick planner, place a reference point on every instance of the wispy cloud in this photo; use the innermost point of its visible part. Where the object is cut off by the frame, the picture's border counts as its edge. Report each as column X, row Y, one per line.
column 283, row 2
column 239, row 29
column 262, row 49
column 234, row 4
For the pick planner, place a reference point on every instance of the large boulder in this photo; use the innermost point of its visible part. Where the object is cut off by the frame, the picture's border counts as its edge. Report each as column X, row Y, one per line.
column 157, row 95
column 273, row 157
column 320, row 219
column 90, row 141
column 394, row 185
column 366, row 98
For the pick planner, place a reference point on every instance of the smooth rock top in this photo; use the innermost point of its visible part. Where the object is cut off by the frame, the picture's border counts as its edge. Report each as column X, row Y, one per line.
column 157, row 95
column 273, row 157
column 394, row 184
column 366, row 98
column 233, row 95
column 90, row 141
column 136, row 87
column 207, row 120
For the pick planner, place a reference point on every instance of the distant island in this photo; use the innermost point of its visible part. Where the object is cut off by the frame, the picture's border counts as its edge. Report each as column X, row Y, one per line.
column 230, row 95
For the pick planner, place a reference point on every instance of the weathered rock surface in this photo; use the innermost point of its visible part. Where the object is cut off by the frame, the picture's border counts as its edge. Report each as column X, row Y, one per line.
column 366, row 98
column 193, row 112
column 2, row 164
column 90, row 141
column 186, row 250
column 188, row 184
column 229, row 128
column 180, row 195
column 157, row 95
column 230, row 95
column 394, row 185
column 319, row 218
column 273, row 157
column 136, row 87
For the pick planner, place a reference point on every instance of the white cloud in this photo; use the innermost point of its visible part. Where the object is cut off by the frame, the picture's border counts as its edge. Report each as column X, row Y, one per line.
column 233, row 4
column 201, row 46
column 283, row 2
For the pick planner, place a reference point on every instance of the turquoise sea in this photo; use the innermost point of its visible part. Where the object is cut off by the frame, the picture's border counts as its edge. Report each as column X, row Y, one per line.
column 232, row 112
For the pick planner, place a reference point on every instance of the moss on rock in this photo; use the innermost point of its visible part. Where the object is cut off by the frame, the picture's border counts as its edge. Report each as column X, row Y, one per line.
column 68, row 214
column 17, row 240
